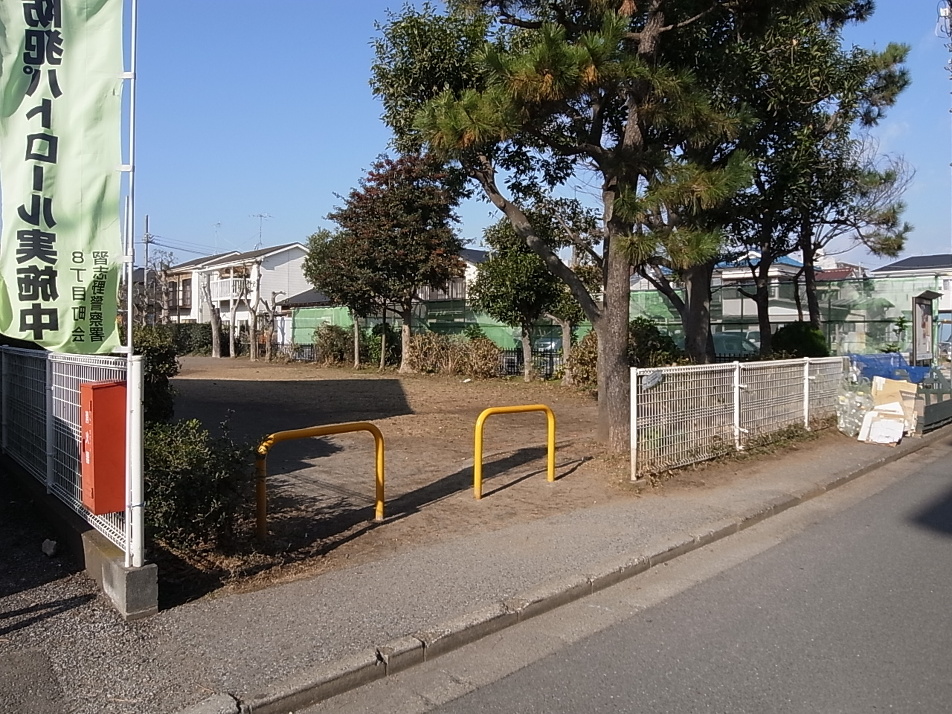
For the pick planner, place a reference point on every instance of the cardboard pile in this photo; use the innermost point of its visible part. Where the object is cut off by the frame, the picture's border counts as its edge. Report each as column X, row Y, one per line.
column 893, row 414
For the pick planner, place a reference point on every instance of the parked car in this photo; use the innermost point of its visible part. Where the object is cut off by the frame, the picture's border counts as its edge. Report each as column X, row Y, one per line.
column 734, row 344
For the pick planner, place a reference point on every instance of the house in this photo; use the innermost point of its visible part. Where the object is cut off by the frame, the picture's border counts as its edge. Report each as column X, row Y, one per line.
column 456, row 288
column 234, row 283
column 930, row 272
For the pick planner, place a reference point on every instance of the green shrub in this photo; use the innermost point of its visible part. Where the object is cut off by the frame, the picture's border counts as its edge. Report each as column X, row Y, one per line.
column 160, row 364
column 199, row 489
column 195, row 338
column 473, row 332
column 372, row 344
column 584, row 362
column 799, row 339
column 649, row 347
column 333, row 345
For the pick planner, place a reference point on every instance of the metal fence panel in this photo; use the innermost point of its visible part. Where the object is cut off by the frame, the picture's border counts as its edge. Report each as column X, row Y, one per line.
column 684, row 415
column 41, row 422
column 771, row 397
column 69, row 371
column 25, row 406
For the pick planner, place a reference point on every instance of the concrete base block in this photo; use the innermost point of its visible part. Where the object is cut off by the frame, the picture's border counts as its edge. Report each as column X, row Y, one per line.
column 133, row 591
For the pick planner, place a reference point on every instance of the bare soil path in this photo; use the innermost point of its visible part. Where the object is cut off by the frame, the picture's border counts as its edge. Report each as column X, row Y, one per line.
column 322, row 489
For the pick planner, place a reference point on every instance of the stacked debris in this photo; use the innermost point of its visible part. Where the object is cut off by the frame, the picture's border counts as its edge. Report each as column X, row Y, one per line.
column 876, row 409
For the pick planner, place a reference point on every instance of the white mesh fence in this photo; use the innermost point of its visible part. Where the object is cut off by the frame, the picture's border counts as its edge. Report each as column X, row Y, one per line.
column 39, row 392
column 684, row 415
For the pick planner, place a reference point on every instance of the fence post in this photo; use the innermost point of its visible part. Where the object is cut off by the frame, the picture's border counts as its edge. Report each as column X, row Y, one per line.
column 50, row 425
column 135, row 486
column 737, row 445
column 806, row 393
column 634, row 423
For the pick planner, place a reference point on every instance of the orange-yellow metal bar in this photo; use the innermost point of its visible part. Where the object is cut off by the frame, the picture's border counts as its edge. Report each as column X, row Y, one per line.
column 264, row 447
column 478, row 457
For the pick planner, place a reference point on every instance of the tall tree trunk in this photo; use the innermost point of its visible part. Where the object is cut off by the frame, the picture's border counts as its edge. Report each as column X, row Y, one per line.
column 383, row 340
column 253, row 336
column 809, row 271
column 406, row 319
column 214, row 316
column 232, row 314
column 527, row 352
column 356, row 339
column 614, row 377
column 568, row 379
column 762, row 300
column 696, row 317
column 797, row 300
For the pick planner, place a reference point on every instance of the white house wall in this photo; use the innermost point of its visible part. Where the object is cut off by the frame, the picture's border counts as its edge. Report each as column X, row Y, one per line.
column 283, row 273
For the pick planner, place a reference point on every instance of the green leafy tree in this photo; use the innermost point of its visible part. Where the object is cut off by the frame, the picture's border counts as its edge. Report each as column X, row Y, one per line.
column 591, row 90
column 398, row 228
column 335, row 266
column 514, row 286
column 806, row 95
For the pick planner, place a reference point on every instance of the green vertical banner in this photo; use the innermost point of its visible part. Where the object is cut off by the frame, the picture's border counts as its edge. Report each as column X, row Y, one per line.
column 60, row 155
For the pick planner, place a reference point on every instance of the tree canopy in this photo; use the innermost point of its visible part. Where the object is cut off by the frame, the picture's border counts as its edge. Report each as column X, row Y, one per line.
column 610, row 92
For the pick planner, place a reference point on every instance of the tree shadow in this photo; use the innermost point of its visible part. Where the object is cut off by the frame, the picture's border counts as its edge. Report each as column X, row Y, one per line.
column 41, row 611
column 252, row 410
column 937, row 516
column 309, row 525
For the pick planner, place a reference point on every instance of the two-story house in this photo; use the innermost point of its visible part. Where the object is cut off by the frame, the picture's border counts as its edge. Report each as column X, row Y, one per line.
column 239, row 283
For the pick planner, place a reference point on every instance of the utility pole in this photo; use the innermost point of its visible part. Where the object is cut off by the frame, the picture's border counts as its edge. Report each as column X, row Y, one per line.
column 146, row 283
column 261, row 217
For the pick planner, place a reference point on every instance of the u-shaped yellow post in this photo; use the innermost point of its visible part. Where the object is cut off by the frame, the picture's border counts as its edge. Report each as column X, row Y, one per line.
column 478, row 456
column 261, row 470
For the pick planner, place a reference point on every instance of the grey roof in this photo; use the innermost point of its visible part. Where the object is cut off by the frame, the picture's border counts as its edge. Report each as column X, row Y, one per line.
column 472, row 255
column 250, row 255
column 306, row 299
column 919, row 262
column 199, row 262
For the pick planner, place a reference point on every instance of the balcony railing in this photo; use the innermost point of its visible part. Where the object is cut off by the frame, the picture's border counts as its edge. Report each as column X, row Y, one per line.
column 230, row 289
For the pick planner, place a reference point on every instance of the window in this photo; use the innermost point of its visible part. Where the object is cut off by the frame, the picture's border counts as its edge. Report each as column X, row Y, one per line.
column 187, row 293
column 173, row 294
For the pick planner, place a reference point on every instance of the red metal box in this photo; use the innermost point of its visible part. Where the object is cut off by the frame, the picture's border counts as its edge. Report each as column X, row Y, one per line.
column 103, row 446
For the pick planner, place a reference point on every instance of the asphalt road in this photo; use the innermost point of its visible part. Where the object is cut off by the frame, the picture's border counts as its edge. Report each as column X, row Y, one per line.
column 840, row 605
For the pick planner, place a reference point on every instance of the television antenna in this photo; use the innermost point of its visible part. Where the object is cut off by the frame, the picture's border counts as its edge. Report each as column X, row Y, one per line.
column 262, row 217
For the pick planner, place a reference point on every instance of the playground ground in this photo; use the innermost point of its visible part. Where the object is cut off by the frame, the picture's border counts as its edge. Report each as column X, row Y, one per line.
column 322, row 489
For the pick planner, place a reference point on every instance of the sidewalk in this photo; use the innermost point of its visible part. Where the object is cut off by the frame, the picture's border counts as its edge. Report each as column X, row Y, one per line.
column 277, row 649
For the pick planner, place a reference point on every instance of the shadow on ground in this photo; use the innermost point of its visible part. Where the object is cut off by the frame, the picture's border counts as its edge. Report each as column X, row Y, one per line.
column 304, row 526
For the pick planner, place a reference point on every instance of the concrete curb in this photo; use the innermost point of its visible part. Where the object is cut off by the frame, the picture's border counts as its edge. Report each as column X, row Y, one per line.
column 328, row 680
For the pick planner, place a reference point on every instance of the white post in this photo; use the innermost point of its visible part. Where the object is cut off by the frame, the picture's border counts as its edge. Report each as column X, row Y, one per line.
column 135, row 480
column 634, row 423
column 737, row 445
column 134, row 369
column 50, row 425
column 806, row 393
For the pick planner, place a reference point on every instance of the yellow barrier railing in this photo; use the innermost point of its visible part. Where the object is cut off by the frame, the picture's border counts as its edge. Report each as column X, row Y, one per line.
column 478, row 457
column 264, row 447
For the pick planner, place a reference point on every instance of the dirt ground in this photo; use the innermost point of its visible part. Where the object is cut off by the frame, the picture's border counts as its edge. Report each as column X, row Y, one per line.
column 321, row 490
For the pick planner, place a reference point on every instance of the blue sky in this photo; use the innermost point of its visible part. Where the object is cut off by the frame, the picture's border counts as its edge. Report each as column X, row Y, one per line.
column 248, row 107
